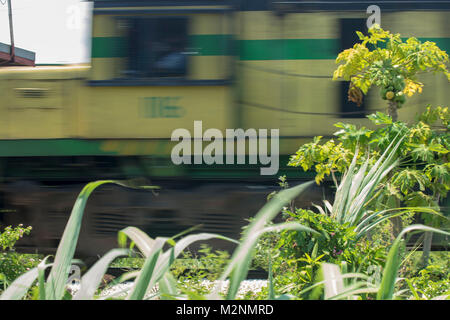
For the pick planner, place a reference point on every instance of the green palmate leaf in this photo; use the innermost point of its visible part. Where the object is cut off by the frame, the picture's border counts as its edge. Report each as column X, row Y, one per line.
column 409, row 178
column 380, row 118
column 92, row 279
column 422, row 152
column 386, row 290
column 393, row 67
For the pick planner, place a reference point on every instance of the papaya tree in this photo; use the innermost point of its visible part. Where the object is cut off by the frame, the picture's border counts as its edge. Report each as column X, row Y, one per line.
column 422, row 178
column 384, row 60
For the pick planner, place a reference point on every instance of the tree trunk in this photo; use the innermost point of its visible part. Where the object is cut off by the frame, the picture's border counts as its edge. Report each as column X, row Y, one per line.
column 397, row 225
column 396, row 221
column 392, row 110
column 428, row 240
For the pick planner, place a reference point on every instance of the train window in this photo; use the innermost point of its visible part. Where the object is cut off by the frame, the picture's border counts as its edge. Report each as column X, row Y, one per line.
column 156, row 47
column 348, row 38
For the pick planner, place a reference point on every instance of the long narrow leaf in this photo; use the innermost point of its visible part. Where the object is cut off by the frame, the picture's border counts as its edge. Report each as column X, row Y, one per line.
column 334, row 283
column 388, row 280
column 242, row 255
column 59, row 273
column 19, row 287
column 140, row 238
column 168, row 257
column 91, row 280
column 143, row 280
column 167, row 286
column 41, row 276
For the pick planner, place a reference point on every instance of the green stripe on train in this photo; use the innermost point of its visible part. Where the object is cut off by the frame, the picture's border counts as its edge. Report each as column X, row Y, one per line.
column 272, row 49
column 204, row 45
column 288, row 49
column 51, row 147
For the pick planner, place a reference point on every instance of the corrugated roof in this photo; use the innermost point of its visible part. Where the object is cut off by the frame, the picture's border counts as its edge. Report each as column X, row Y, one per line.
column 21, row 57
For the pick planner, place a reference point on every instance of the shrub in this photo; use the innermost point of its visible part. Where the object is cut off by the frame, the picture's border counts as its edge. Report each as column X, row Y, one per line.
column 13, row 264
column 433, row 281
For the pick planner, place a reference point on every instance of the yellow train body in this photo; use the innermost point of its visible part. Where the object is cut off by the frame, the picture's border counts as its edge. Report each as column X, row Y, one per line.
column 246, row 69
column 253, row 65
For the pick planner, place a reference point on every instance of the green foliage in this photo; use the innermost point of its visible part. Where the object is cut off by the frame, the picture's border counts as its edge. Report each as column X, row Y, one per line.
column 325, row 158
column 334, row 243
column 205, row 264
column 423, row 175
column 393, row 261
column 10, row 236
column 384, row 60
column 13, row 264
column 433, row 281
column 156, row 268
column 193, row 268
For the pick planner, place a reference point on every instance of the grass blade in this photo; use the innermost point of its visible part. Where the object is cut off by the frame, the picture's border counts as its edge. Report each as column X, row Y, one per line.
column 19, row 287
column 168, row 257
column 41, row 277
column 333, row 281
column 91, row 280
column 241, row 258
column 140, row 238
column 142, row 282
column 167, row 286
column 388, row 280
column 59, row 273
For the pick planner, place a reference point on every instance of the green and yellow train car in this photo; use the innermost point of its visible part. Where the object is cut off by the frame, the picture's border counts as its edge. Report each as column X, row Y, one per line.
column 157, row 66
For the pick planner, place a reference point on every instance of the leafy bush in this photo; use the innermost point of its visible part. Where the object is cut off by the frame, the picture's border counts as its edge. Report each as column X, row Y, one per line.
column 13, row 264
column 433, row 281
column 191, row 269
column 335, row 243
column 299, row 257
column 10, row 236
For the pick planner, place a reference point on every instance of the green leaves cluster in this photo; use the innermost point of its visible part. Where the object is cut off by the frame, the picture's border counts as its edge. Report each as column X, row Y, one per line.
column 335, row 242
column 431, row 282
column 13, row 264
column 424, row 170
column 325, row 158
column 387, row 61
column 10, row 236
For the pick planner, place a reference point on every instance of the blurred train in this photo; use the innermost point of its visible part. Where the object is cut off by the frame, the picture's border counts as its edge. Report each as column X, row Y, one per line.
column 160, row 65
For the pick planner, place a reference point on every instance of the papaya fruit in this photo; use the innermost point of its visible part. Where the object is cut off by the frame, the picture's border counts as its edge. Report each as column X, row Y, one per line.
column 390, row 95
